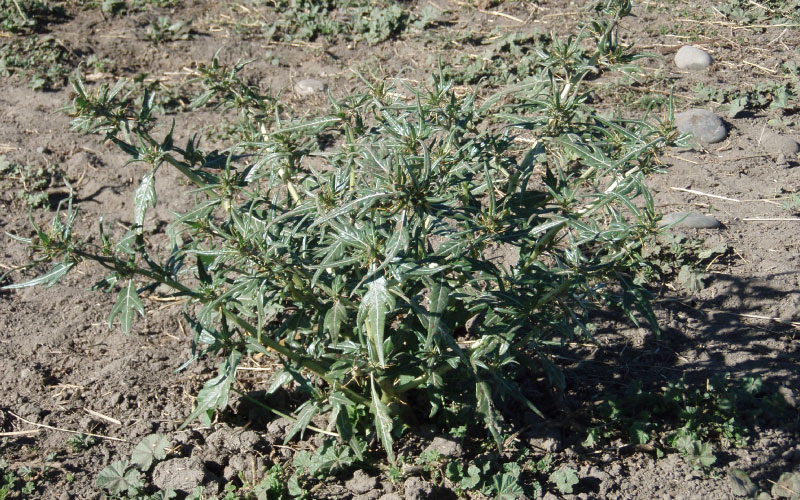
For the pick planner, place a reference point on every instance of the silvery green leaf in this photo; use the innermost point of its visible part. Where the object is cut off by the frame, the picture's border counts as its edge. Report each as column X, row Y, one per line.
column 486, row 410
column 377, row 302
column 144, row 197
column 439, row 298
column 48, row 279
column 383, row 422
column 127, row 305
column 334, row 318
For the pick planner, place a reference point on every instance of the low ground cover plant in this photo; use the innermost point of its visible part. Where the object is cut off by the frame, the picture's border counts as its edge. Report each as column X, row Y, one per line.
column 384, row 253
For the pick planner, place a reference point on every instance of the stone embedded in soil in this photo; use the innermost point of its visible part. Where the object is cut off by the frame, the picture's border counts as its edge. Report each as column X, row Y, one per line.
column 310, row 86
column 361, row 482
column 179, row 474
column 417, row 489
column 445, row 447
column 779, row 144
column 703, row 125
column 391, row 496
column 691, row 220
column 693, row 58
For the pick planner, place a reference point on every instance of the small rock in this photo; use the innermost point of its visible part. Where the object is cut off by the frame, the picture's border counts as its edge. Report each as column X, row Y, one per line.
column 361, row 482
column 180, row 474
column 310, row 86
column 693, row 58
column 704, row 125
column 692, row 220
column 417, row 489
column 391, row 496
column 115, row 398
column 445, row 447
column 764, row 496
column 779, row 144
column 788, row 396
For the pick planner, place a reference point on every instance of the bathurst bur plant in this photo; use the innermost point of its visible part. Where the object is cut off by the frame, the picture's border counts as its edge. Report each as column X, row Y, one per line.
column 429, row 240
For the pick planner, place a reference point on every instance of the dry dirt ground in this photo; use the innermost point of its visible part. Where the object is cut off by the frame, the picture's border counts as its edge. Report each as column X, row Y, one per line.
column 64, row 370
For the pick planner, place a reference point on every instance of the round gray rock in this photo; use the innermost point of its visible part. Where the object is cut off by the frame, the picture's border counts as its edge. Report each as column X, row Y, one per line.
column 692, row 220
column 310, row 86
column 703, row 125
column 693, row 58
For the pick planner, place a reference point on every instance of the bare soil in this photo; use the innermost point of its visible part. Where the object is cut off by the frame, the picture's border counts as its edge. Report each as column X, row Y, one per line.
column 65, row 370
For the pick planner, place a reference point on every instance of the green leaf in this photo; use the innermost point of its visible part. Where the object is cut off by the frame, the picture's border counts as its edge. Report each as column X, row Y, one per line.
column 507, row 487
column 383, row 422
column 690, row 278
column 439, row 298
column 486, row 409
column 127, row 305
column 144, row 197
column 788, row 486
column 334, row 318
column 304, row 416
column 564, row 479
column 48, row 279
column 152, row 447
column 119, row 478
column 737, row 106
column 375, row 304
column 741, row 485
column 214, row 393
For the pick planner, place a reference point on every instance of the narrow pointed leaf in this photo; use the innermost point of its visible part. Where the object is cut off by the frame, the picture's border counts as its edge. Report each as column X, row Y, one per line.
column 439, row 298
column 376, row 303
column 487, row 411
column 383, row 422
column 127, row 305
column 307, row 412
column 48, row 279
column 334, row 318
column 144, row 197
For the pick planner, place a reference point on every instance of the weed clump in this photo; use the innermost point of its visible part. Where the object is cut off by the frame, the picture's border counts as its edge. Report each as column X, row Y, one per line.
column 429, row 240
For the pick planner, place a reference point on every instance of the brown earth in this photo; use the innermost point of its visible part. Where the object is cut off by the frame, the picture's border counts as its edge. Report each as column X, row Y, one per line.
column 65, row 370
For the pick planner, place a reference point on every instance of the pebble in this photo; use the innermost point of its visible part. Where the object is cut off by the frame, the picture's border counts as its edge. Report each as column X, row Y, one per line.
column 692, row 220
column 693, row 58
column 703, row 125
column 310, row 86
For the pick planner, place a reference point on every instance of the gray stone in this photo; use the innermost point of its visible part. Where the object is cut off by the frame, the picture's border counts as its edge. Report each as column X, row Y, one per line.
column 704, row 125
column 179, row 474
column 691, row 220
column 445, row 447
column 693, row 58
column 310, row 86
column 779, row 144
column 788, row 396
column 391, row 496
column 361, row 482
column 417, row 489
